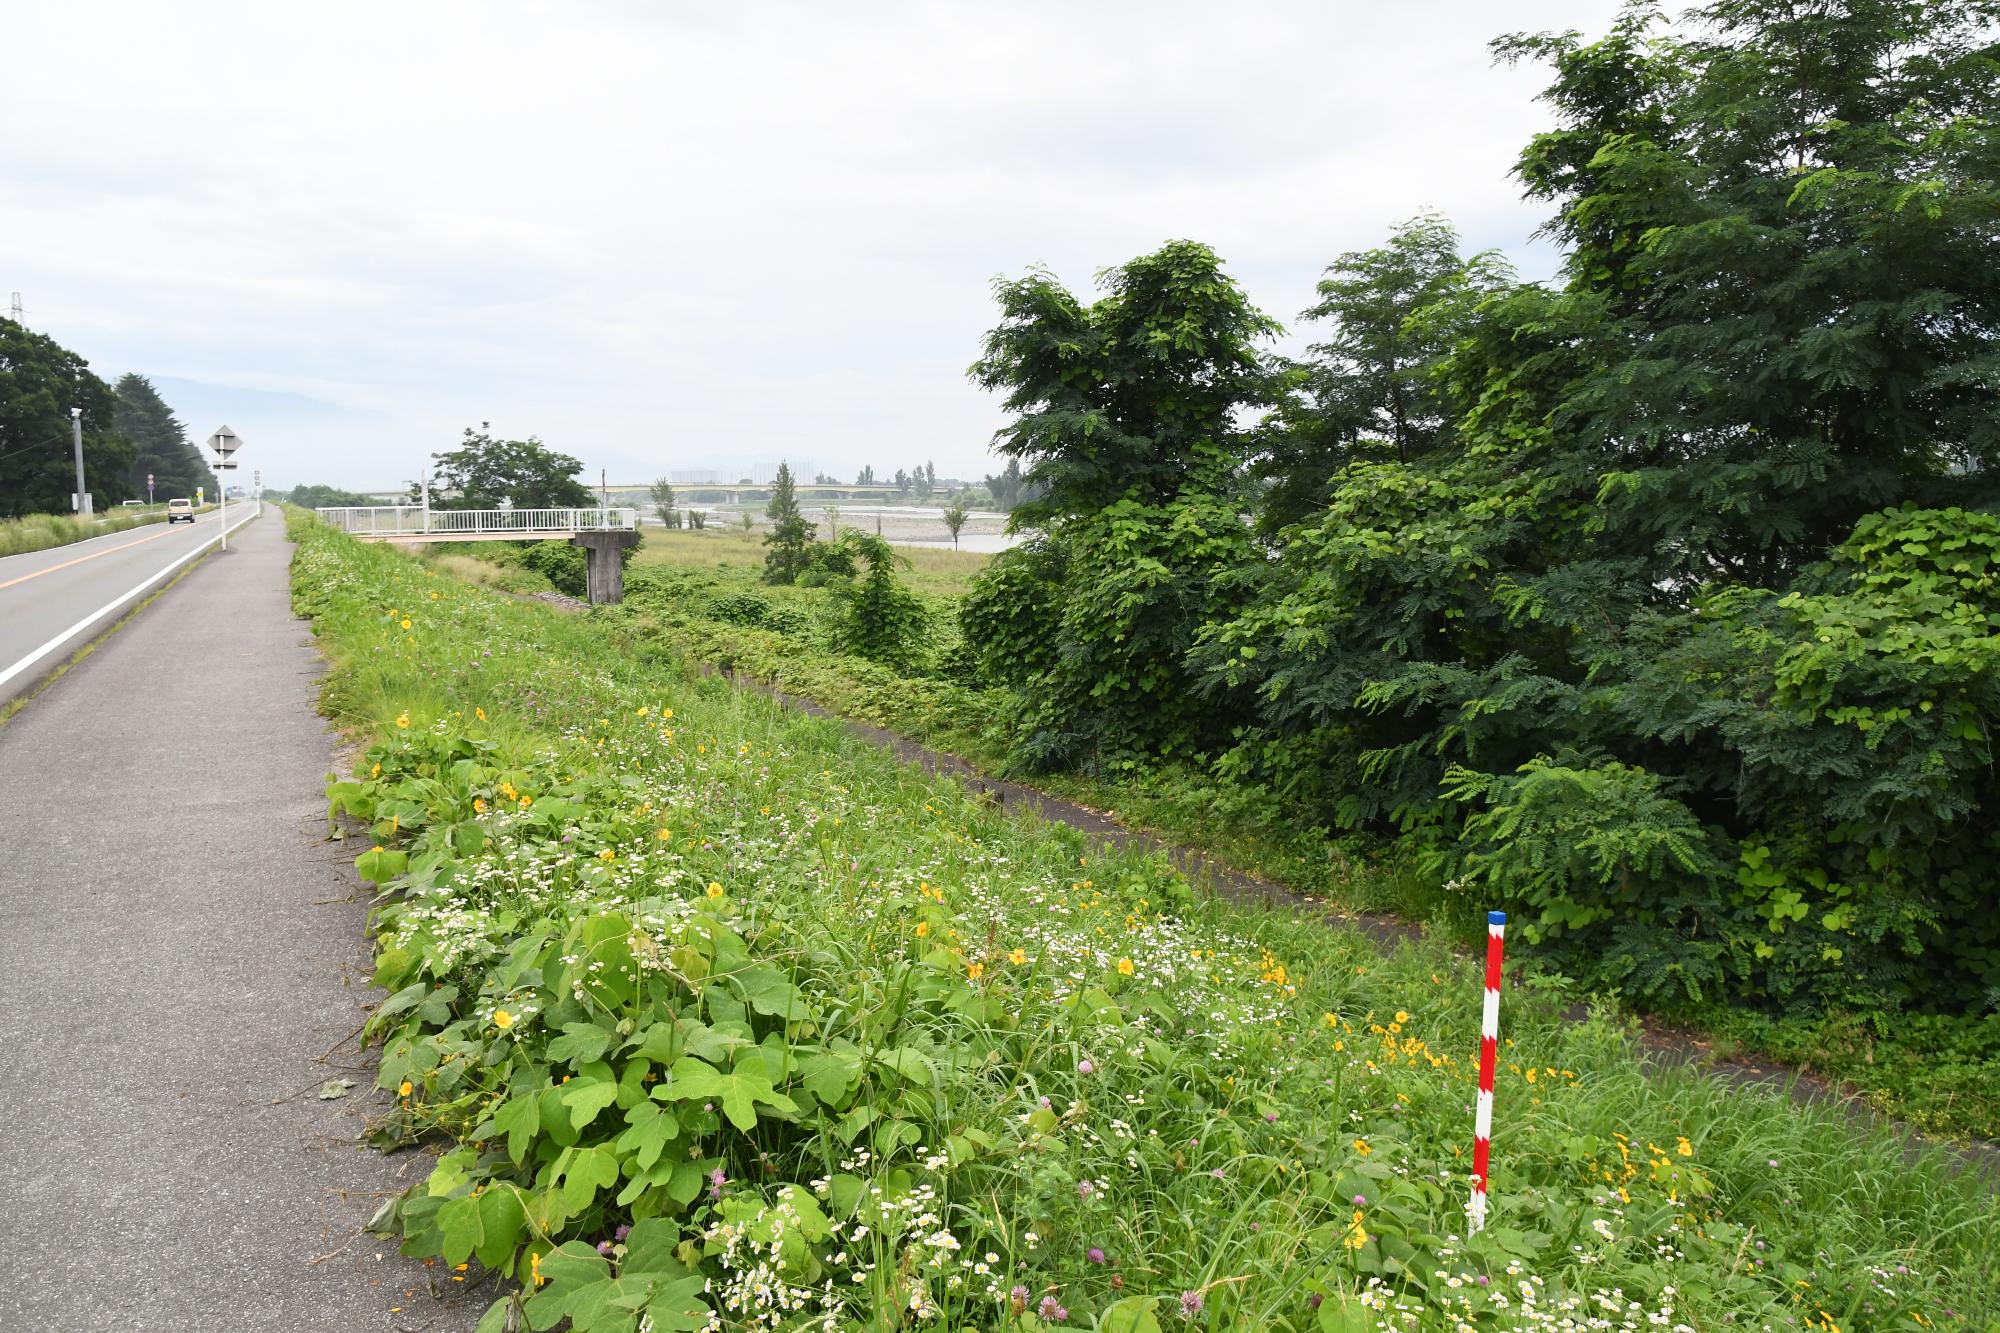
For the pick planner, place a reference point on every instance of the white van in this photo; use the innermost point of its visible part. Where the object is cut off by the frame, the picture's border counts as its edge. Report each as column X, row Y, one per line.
column 180, row 509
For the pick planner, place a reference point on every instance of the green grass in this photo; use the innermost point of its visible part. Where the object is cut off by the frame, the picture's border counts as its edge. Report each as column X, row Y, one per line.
column 1940, row 1074
column 667, row 956
column 729, row 550
column 39, row 532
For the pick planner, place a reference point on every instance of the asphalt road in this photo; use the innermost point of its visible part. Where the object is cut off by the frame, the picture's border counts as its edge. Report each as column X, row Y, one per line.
column 183, row 965
column 46, row 594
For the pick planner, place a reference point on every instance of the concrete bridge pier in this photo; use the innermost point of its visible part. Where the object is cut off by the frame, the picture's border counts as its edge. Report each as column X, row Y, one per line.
column 605, row 574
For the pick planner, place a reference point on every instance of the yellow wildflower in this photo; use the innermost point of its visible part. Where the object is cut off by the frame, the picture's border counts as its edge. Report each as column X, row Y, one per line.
column 502, row 1019
column 479, row 805
column 974, row 971
column 406, row 622
column 714, row 889
column 405, row 1089
column 1402, row 1017
column 923, row 929
column 1683, row 1147
column 1361, row 1146
column 479, row 713
column 403, row 719
column 1125, row 967
column 1018, row 957
column 666, row 835
column 607, row 855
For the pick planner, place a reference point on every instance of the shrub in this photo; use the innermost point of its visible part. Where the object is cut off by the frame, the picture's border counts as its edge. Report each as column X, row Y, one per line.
column 879, row 618
column 563, row 565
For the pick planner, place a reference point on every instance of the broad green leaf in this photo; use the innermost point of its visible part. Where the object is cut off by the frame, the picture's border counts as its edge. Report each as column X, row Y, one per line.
column 587, row 1171
column 519, row 1118
column 1134, row 1314
column 911, row 1064
column 649, row 1131
column 579, row 1044
column 585, row 1100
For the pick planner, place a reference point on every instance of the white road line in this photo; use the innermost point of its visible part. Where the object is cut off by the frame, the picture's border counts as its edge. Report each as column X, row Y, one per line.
column 105, row 610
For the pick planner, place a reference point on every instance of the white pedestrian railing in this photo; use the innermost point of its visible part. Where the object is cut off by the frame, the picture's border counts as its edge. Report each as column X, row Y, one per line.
column 415, row 521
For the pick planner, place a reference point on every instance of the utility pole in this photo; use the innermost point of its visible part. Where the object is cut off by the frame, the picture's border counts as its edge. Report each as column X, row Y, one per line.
column 603, row 488
column 76, row 438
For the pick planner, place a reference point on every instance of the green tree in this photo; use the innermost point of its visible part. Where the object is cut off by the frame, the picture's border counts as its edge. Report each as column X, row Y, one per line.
column 878, row 617
column 866, row 477
column 1787, row 220
column 1136, row 395
column 40, row 382
column 324, row 497
column 1640, row 601
column 954, row 518
column 1126, row 412
column 1392, row 314
column 159, row 441
column 483, row 471
column 663, row 503
column 790, row 537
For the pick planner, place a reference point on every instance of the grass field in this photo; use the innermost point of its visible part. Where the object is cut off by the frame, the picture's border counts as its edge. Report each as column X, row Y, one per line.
column 39, row 532
column 737, row 1022
column 927, row 569
column 699, row 596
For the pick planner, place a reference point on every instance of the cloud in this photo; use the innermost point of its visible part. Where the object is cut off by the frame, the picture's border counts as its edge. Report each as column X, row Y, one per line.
column 669, row 236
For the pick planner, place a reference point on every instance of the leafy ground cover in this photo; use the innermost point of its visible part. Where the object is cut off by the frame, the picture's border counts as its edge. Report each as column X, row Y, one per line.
column 1941, row 1074
column 731, row 1021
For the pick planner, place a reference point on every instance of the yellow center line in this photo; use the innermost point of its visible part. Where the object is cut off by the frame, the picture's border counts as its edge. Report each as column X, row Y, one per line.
column 109, row 550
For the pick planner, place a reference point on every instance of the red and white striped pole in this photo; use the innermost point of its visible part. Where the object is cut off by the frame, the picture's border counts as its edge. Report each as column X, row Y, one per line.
column 1489, row 1057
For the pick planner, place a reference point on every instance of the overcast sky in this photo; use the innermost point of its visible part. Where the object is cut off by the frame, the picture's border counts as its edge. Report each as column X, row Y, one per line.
column 664, row 235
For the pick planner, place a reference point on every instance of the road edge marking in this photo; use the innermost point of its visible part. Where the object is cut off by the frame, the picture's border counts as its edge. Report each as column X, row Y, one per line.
column 80, row 626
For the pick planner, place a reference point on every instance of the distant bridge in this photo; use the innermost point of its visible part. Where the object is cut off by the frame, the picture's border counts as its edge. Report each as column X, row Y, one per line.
column 412, row 523
column 739, row 489
column 734, row 489
column 602, row 533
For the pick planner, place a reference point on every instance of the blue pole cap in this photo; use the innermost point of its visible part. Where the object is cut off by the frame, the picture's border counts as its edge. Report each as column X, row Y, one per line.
column 1496, row 918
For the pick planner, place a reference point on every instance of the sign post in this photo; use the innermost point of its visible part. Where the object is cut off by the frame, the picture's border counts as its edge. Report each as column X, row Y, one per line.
column 224, row 442
column 83, row 509
column 149, row 488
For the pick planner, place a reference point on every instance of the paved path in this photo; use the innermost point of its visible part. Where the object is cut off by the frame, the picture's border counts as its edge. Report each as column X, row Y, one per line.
column 178, row 948
column 51, row 601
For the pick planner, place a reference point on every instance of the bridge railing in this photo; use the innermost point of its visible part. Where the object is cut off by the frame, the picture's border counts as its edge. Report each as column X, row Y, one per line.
column 414, row 521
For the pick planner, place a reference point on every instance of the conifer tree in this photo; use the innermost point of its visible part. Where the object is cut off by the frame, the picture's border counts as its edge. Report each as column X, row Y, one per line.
column 790, row 537
column 160, row 443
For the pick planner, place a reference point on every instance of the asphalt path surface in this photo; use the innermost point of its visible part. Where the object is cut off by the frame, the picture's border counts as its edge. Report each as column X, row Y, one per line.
column 43, row 594
column 183, row 966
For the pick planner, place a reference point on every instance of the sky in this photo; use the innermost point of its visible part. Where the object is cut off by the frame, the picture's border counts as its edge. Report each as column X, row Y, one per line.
column 665, row 236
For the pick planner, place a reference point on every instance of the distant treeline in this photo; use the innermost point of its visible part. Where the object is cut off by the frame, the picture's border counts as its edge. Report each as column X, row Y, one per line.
column 128, row 432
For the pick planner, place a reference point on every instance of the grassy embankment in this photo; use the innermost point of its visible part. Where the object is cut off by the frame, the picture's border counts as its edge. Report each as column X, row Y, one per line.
column 857, row 1051
column 1941, row 1073
column 39, row 532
